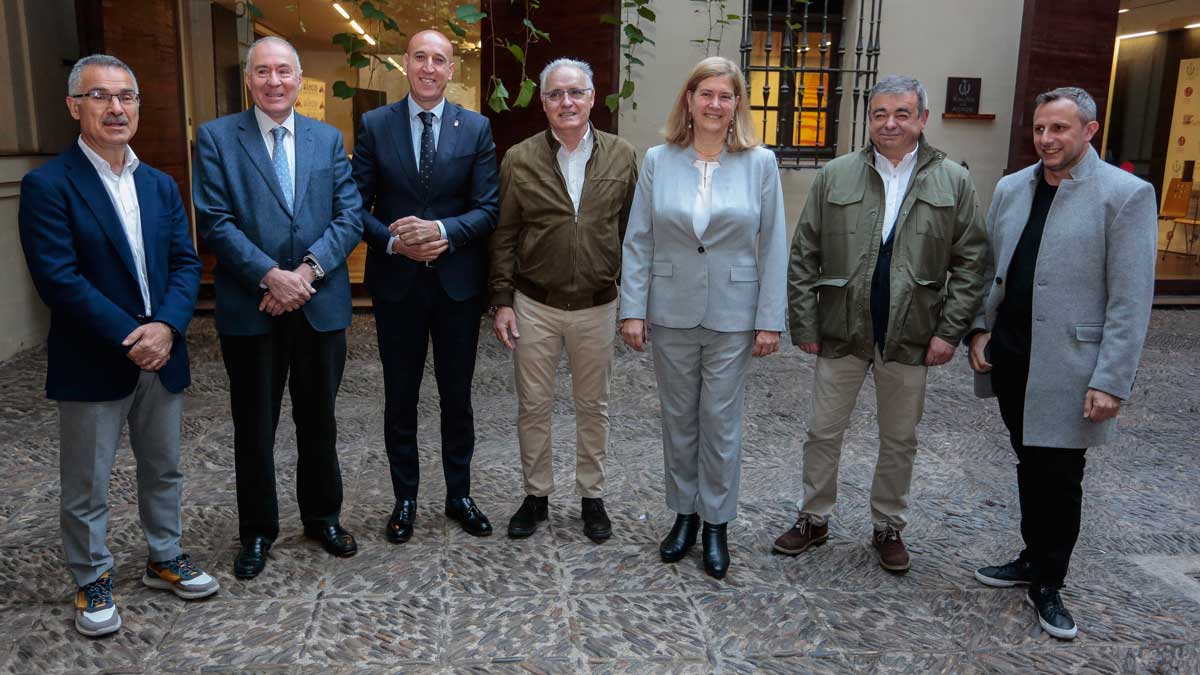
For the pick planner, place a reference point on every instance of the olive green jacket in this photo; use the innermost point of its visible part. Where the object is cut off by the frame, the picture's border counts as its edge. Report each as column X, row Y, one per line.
column 541, row 247
column 938, row 260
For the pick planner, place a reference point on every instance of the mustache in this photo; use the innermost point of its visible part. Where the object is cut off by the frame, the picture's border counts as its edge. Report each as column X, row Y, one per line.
column 116, row 119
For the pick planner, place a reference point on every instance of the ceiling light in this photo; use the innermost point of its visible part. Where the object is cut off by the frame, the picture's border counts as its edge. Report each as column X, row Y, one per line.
column 341, row 11
column 1192, row 25
column 1119, row 11
column 355, row 26
column 370, row 40
column 393, row 62
column 1136, row 35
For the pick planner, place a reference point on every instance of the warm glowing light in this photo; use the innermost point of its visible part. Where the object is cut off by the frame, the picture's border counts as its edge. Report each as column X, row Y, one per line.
column 1136, row 35
column 1192, row 25
column 370, row 40
column 355, row 26
column 1122, row 11
column 341, row 11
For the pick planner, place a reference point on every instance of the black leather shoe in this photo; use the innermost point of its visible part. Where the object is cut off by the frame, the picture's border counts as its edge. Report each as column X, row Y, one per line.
column 1053, row 617
column 1016, row 573
column 252, row 558
column 680, row 539
column 335, row 540
column 525, row 521
column 716, row 550
column 400, row 524
column 464, row 511
column 596, row 525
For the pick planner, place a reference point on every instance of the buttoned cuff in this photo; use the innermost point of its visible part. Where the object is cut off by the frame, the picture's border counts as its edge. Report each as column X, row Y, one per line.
column 441, row 228
column 391, row 240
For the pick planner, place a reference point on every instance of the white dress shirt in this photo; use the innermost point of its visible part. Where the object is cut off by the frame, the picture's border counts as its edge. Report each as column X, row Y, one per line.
column 573, row 164
column 702, row 209
column 266, row 124
column 123, row 193
column 418, row 129
column 895, row 184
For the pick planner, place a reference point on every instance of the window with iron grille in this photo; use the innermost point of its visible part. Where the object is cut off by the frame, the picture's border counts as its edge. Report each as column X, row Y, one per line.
column 800, row 64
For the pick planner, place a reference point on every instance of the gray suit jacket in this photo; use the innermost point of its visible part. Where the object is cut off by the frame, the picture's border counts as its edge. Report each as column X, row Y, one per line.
column 734, row 279
column 1093, row 290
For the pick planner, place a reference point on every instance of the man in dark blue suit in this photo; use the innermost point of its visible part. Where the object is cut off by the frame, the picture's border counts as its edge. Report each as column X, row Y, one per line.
column 426, row 169
column 109, row 249
column 276, row 204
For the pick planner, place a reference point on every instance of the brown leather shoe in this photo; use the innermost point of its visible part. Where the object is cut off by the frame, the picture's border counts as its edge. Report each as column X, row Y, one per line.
column 892, row 554
column 804, row 533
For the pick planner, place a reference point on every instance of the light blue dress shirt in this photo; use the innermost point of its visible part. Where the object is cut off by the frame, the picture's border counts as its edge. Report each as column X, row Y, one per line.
column 418, row 128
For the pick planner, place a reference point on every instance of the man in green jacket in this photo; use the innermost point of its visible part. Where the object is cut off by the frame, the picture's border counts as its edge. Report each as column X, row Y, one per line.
column 565, row 195
column 886, row 274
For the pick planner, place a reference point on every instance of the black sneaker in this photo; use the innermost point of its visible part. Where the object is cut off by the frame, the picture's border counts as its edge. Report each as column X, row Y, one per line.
column 1016, row 573
column 525, row 521
column 1054, row 618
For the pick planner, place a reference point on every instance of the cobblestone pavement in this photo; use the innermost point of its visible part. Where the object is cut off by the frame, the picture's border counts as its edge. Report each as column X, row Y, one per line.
column 446, row 602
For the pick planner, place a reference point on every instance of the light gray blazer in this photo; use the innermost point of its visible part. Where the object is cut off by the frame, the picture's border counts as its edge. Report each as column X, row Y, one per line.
column 734, row 279
column 1092, row 293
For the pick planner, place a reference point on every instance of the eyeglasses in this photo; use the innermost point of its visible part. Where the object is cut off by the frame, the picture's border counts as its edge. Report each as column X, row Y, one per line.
column 557, row 95
column 126, row 98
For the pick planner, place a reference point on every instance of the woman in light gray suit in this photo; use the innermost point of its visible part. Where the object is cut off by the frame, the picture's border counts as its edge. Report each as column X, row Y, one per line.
column 705, row 262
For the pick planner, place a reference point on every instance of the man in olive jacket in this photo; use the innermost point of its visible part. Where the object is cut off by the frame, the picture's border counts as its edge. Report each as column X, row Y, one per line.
column 886, row 274
column 565, row 195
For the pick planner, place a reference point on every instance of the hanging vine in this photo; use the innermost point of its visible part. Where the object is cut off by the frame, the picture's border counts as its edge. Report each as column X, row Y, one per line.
column 631, row 45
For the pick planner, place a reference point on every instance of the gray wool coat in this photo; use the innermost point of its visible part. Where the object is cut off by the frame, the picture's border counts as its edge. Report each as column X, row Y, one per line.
column 1094, row 286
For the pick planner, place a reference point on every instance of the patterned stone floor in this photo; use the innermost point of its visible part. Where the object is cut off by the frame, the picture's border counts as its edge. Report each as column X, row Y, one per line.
column 450, row 603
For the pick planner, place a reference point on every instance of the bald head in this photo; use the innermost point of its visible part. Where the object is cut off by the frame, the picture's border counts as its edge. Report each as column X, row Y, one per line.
column 429, row 65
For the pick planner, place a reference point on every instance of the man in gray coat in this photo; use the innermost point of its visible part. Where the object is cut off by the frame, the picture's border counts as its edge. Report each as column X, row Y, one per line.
column 1061, row 330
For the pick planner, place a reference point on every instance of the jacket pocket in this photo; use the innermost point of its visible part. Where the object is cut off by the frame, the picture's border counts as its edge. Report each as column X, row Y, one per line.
column 743, row 273
column 934, row 211
column 845, row 209
column 832, row 315
column 1089, row 332
column 662, row 269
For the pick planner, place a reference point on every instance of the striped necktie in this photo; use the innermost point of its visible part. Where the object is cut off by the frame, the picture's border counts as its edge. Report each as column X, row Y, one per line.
column 279, row 159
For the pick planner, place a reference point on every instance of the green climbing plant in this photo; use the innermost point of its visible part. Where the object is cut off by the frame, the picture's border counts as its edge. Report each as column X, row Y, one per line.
column 633, row 41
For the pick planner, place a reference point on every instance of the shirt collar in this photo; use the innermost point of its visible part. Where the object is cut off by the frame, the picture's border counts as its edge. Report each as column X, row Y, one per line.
column 266, row 124
column 904, row 165
column 414, row 109
column 102, row 165
column 584, row 142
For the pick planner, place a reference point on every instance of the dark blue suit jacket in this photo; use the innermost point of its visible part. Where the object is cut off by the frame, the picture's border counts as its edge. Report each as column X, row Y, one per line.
column 465, row 196
column 242, row 216
column 83, row 268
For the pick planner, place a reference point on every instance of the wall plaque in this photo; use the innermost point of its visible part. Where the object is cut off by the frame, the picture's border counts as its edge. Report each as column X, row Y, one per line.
column 962, row 95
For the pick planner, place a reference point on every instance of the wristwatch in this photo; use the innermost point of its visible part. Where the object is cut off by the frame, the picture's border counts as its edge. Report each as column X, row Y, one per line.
column 311, row 261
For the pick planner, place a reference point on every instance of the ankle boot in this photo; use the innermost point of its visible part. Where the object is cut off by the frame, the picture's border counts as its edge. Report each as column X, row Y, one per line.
column 680, row 539
column 716, row 550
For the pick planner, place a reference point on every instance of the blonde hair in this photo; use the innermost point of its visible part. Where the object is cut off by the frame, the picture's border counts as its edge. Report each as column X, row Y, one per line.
column 680, row 133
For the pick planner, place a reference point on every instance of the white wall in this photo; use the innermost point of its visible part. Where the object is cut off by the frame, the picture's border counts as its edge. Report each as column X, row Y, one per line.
column 929, row 39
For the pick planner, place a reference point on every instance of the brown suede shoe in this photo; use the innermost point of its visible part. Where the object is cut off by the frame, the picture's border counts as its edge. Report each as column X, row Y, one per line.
column 803, row 534
column 892, row 554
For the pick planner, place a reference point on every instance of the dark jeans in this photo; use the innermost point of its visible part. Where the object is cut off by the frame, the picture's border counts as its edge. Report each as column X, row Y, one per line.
column 405, row 329
column 1049, row 481
column 258, row 367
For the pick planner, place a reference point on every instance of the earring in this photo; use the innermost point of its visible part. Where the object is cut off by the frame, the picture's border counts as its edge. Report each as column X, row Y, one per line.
column 730, row 130
column 689, row 123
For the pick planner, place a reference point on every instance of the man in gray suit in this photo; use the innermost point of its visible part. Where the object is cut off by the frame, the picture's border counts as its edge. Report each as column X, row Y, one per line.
column 1061, row 331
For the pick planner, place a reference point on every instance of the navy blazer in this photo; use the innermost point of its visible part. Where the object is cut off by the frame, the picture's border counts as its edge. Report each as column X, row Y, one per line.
column 465, row 196
column 243, row 218
column 82, row 266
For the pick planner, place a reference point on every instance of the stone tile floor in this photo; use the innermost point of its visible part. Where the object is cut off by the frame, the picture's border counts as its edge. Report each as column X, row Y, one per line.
column 450, row 603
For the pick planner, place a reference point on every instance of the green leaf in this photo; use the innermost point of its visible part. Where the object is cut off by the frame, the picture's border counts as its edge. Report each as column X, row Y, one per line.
column 646, row 13
column 386, row 64
column 634, row 60
column 469, row 14
column 535, row 30
column 734, row 17
column 342, row 90
column 458, row 30
column 627, row 89
column 636, row 35
column 357, row 60
column 516, row 51
column 350, row 42
column 253, row 10
column 498, row 101
column 610, row 20
column 525, row 95
column 612, row 102
column 390, row 24
column 370, row 11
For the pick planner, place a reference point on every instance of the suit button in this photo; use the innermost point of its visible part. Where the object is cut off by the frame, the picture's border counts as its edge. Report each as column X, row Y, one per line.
column 700, row 249
column 1042, row 282
column 1041, row 318
column 999, row 281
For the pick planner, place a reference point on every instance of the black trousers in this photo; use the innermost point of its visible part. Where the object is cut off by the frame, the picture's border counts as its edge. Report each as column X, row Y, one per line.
column 405, row 329
column 258, row 367
column 1049, row 481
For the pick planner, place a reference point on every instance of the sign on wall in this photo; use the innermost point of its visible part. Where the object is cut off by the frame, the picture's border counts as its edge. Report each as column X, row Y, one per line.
column 312, row 99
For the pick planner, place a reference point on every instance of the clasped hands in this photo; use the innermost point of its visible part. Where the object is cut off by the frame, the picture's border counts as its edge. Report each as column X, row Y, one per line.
column 417, row 239
column 287, row 291
column 150, row 345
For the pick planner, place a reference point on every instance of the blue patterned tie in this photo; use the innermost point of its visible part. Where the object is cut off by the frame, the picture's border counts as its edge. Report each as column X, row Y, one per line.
column 425, row 171
column 280, row 160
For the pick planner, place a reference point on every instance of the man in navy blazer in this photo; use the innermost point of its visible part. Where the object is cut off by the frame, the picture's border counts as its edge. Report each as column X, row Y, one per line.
column 110, row 251
column 277, row 206
column 426, row 169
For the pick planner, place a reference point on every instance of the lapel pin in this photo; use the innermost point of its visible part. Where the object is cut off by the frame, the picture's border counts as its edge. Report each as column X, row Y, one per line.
column 456, row 122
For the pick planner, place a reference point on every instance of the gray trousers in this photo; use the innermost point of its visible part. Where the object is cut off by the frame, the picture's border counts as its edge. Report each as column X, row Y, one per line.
column 701, row 378
column 89, row 435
